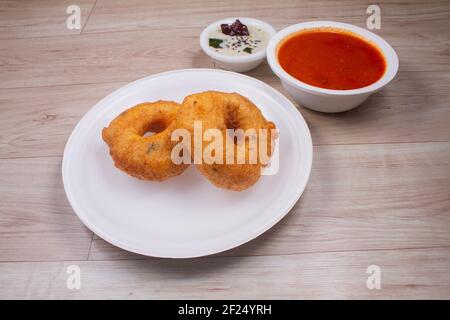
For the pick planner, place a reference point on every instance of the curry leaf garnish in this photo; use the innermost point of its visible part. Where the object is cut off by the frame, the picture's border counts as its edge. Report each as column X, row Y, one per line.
column 215, row 43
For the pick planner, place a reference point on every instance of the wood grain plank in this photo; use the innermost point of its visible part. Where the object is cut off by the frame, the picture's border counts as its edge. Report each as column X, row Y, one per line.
column 360, row 197
column 46, row 117
column 425, row 22
column 36, row 221
column 44, row 18
column 37, row 122
column 122, row 56
column 406, row 274
column 384, row 119
column 126, row 56
column 405, row 111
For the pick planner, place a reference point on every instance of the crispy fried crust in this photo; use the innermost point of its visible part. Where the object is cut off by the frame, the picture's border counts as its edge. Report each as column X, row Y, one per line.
column 224, row 111
column 144, row 157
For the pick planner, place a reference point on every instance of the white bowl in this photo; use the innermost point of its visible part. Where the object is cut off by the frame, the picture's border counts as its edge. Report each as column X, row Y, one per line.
column 235, row 63
column 329, row 100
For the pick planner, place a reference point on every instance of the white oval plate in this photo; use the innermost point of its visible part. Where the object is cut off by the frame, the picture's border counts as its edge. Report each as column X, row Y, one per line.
column 185, row 216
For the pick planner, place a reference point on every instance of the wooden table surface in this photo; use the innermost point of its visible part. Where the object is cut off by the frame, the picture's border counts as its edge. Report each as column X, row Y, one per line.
column 379, row 192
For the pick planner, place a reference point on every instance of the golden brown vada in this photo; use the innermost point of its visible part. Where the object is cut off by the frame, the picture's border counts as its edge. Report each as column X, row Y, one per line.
column 225, row 112
column 141, row 156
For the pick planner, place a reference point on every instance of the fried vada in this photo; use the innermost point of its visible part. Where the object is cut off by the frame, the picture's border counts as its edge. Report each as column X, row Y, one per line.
column 147, row 157
column 227, row 112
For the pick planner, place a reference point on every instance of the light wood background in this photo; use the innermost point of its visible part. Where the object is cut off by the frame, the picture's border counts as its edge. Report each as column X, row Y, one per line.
column 379, row 191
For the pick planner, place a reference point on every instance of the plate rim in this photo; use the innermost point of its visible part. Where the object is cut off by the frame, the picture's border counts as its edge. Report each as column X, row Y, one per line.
column 198, row 253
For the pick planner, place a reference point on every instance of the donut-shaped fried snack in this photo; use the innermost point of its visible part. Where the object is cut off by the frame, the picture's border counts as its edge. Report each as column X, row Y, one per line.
column 141, row 156
column 235, row 164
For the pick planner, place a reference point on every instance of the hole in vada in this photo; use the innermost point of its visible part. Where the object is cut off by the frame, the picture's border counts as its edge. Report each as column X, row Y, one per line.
column 232, row 125
column 154, row 127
